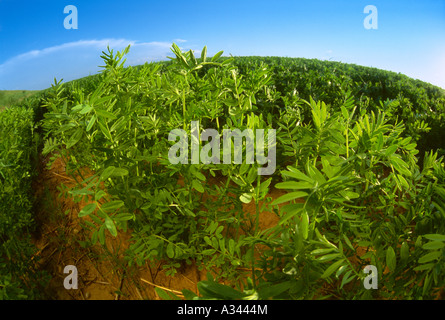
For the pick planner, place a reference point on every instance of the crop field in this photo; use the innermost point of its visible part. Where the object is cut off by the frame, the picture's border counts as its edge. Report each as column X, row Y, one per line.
column 225, row 178
column 10, row 97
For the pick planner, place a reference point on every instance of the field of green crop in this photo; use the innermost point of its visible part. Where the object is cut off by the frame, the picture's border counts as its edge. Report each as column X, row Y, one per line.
column 359, row 177
column 11, row 97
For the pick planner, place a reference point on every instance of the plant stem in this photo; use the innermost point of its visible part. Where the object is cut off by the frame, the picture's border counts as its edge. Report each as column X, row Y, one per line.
column 257, row 222
column 183, row 108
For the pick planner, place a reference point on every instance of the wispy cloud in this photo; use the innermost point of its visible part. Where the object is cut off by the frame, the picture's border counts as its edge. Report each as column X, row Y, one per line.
column 36, row 69
column 147, row 52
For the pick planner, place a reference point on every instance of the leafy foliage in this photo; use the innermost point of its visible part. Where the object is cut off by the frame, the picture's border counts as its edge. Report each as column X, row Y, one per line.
column 18, row 277
column 357, row 189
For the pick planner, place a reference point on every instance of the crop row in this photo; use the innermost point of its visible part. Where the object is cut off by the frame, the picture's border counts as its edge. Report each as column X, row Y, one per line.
column 18, row 277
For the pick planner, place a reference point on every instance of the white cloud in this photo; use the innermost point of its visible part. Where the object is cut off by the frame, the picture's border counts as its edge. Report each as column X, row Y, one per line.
column 82, row 44
column 36, row 69
column 147, row 52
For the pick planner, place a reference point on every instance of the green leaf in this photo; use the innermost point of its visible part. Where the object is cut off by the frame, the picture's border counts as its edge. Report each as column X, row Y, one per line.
column 105, row 114
column 230, row 102
column 192, row 58
column 251, row 176
column 438, row 237
column 418, row 243
column 208, row 252
column 430, row 256
column 348, row 195
column 295, row 173
column 323, row 238
column 328, row 257
column 327, row 168
column 222, row 244
column 112, row 171
column 291, row 213
column 216, row 56
column 404, row 251
column 219, row 230
column 123, row 216
column 120, row 123
column 231, row 246
column 211, row 289
column 178, row 251
column 87, row 209
column 433, row 245
column 246, row 197
column 348, row 242
column 341, row 270
column 316, row 114
column 78, row 107
column 99, row 195
column 400, row 165
column 379, row 145
column 170, row 250
column 178, row 53
column 112, row 205
column 110, row 226
column 405, row 141
column 403, row 181
column 265, row 185
column 207, row 240
column 107, row 173
column 346, row 279
column 119, row 172
column 199, row 175
column 294, row 185
column 333, row 267
column 76, row 136
column 344, row 112
column 162, row 294
column 212, row 227
column 426, row 284
column 391, row 259
column 274, row 290
column 86, row 109
column 316, row 174
column 197, row 186
column 96, row 219
column 289, row 197
column 101, row 234
column 188, row 294
column 215, row 243
column 304, row 225
column 317, row 252
column 91, row 122
column 391, row 150
column 204, row 54
column 85, row 191
column 423, row 267
column 105, row 131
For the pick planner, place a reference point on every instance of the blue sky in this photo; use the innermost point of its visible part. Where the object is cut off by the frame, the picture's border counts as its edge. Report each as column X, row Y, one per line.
column 35, row 47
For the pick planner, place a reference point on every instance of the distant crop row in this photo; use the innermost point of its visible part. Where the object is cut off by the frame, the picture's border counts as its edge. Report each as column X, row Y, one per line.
column 421, row 106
